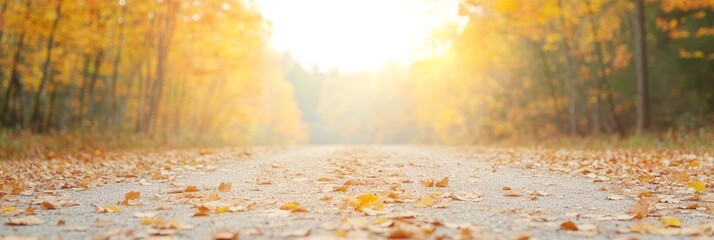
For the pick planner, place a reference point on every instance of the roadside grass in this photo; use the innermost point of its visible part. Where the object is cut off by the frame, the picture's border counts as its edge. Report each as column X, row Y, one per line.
column 27, row 145
column 699, row 140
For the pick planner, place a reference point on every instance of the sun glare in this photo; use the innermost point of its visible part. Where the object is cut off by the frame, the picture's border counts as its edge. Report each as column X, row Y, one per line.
column 355, row 35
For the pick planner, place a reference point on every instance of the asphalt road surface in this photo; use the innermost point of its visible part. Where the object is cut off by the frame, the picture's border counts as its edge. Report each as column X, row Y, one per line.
column 476, row 201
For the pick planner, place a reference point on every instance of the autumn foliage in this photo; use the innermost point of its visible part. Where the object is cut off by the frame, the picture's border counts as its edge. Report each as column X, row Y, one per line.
column 161, row 68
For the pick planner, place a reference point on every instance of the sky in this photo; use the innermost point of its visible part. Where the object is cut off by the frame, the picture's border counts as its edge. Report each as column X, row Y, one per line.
column 355, row 35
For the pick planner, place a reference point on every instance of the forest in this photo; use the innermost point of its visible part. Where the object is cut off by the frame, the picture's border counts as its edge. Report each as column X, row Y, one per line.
column 508, row 69
column 155, row 68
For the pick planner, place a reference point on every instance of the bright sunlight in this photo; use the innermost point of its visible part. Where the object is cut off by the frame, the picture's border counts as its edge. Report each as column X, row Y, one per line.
column 354, row 35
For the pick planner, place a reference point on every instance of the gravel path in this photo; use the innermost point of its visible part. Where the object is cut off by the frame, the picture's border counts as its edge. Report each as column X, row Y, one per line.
column 474, row 203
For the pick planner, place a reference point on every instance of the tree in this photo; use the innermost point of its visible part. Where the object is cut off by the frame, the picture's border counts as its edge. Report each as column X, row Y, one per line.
column 643, row 104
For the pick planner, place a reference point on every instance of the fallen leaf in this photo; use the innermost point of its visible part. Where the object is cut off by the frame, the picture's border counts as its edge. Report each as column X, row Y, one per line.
column 342, row 188
column 191, row 189
column 640, row 209
column 697, row 185
column 615, row 197
column 107, row 209
column 47, row 206
column 24, row 221
column 569, row 225
column 426, row 201
column 366, row 201
column 443, row 183
column 293, row 207
column 512, row 193
column 131, row 199
column 202, row 212
column 224, row 234
column 29, row 211
column 672, row 222
column 224, row 187
column 427, row 182
column 103, row 223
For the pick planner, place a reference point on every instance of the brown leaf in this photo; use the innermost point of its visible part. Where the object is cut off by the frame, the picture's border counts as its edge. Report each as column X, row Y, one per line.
column 640, row 209
column 512, row 193
column 342, row 188
column 47, row 206
column 29, row 211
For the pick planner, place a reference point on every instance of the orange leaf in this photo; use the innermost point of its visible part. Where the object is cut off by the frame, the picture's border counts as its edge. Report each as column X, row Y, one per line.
column 224, row 187
column 569, row 225
column 443, row 183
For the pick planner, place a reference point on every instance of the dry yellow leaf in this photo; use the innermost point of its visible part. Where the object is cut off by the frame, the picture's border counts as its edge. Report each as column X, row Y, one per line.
column 426, row 201
column 7, row 209
column 293, row 207
column 672, row 222
column 191, row 189
column 697, row 185
column 222, row 209
column 366, row 201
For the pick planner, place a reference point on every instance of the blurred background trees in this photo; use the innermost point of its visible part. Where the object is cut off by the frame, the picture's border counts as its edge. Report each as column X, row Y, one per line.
column 160, row 68
column 538, row 69
column 509, row 69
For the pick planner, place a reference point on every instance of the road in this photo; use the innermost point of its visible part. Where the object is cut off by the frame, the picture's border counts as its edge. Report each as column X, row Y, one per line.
column 476, row 201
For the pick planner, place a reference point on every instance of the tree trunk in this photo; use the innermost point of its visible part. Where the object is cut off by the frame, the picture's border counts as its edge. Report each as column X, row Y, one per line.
column 603, row 85
column 570, row 74
column 115, row 73
column 643, row 105
column 83, row 90
column 93, row 82
column 46, row 70
column 51, row 109
column 2, row 36
column 164, row 39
